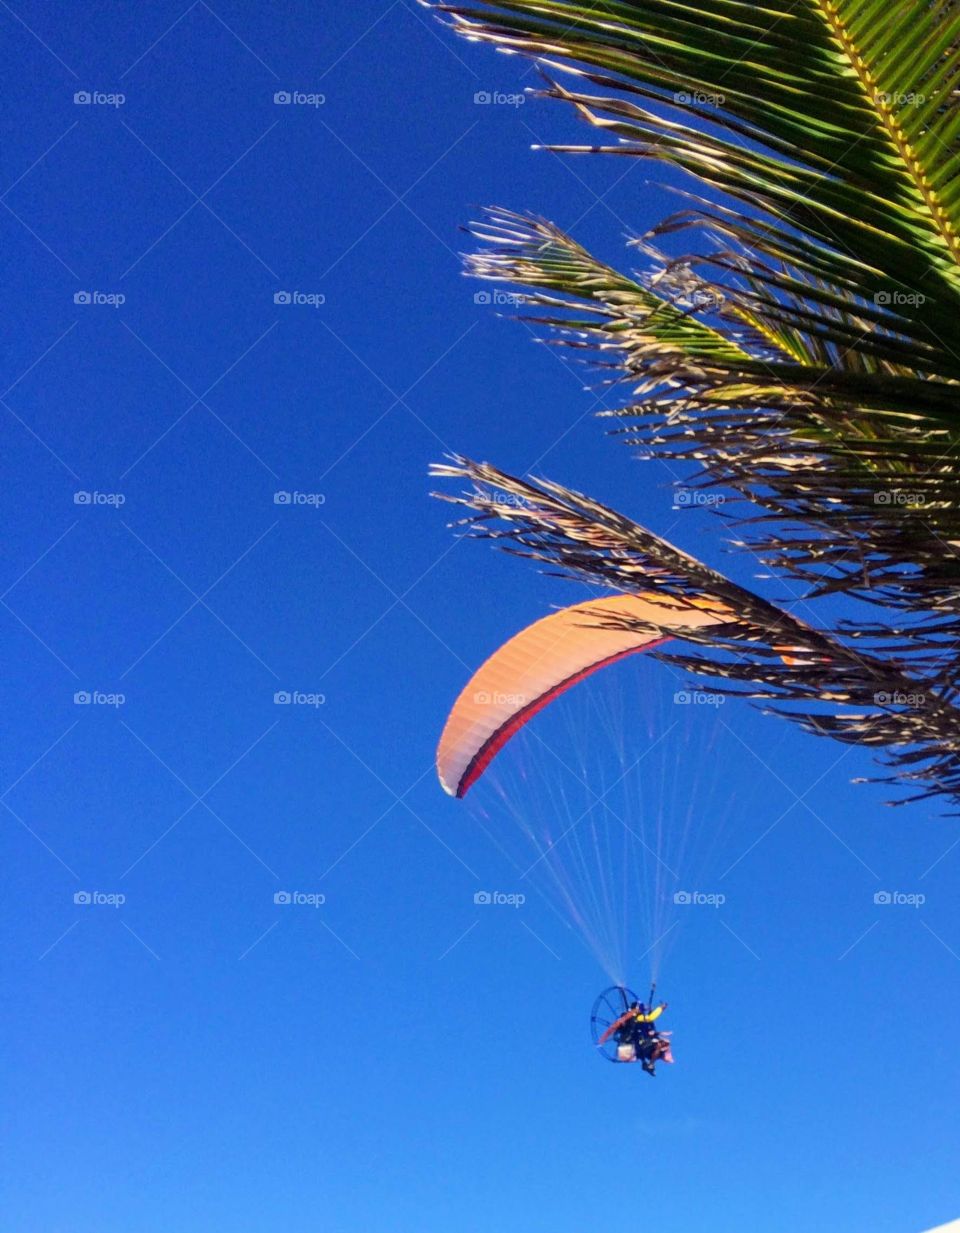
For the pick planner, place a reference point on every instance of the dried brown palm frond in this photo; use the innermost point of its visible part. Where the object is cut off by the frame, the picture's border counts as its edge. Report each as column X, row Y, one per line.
column 815, row 677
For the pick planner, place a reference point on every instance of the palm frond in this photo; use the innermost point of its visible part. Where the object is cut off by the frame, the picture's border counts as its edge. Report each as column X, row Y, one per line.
column 763, row 652
column 832, row 125
column 859, row 454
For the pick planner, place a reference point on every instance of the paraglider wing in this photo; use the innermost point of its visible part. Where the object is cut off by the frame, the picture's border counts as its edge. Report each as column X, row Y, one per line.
column 539, row 664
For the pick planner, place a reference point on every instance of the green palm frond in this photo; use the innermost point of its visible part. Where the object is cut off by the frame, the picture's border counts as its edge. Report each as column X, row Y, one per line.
column 834, row 125
column 669, row 315
column 842, row 449
column 839, row 448
column 537, row 255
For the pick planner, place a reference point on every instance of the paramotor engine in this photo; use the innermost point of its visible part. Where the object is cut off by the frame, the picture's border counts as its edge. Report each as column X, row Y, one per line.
column 610, row 1006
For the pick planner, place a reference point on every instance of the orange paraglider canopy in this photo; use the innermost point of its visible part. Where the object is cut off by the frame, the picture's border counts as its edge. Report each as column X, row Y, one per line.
column 540, row 663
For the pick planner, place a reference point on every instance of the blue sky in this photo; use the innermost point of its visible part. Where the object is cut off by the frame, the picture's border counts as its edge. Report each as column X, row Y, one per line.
column 198, row 1056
